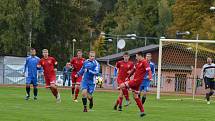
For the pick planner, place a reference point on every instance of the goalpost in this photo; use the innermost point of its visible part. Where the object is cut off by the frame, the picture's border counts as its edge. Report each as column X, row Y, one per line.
column 179, row 65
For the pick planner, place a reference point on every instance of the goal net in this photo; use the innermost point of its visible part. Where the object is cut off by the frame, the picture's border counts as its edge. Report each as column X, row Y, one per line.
column 179, row 66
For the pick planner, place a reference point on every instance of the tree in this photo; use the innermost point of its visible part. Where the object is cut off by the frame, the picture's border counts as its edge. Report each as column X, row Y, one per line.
column 99, row 46
column 193, row 16
column 14, row 22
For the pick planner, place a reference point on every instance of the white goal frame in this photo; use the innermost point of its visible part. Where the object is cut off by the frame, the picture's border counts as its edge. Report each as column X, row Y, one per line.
column 160, row 59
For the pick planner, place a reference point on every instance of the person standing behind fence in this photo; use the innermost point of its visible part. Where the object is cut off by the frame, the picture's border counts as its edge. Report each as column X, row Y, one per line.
column 31, row 68
column 208, row 74
column 66, row 73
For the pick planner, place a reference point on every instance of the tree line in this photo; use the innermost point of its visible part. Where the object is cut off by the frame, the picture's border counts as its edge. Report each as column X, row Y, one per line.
column 53, row 24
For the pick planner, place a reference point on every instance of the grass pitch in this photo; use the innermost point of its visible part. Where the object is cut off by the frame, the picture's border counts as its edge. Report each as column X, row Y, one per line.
column 13, row 107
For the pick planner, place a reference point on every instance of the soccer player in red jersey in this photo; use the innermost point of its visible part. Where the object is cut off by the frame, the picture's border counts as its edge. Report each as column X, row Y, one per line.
column 139, row 71
column 124, row 68
column 76, row 63
column 49, row 66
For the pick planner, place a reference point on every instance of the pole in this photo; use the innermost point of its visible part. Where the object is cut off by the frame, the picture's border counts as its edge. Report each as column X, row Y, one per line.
column 117, row 37
column 73, row 49
column 159, row 70
column 145, row 40
column 30, row 31
column 196, row 57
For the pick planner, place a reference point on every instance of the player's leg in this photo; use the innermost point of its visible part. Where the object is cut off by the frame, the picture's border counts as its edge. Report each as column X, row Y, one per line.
column 126, row 94
column 146, row 86
column 120, row 98
column 207, row 88
column 135, row 91
column 55, row 92
column 211, row 88
column 64, row 80
column 35, row 88
column 138, row 102
column 28, row 88
column 69, row 82
column 91, row 89
column 77, row 88
column 73, row 83
column 53, row 88
column 84, row 87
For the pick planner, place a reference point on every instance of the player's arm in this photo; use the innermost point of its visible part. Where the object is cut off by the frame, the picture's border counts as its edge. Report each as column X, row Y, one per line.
column 25, row 66
column 131, row 73
column 96, row 70
column 82, row 70
column 153, row 69
column 39, row 65
column 39, row 68
column 72, row 63
column 147, row 66
column 130, row 68
column 202, row 72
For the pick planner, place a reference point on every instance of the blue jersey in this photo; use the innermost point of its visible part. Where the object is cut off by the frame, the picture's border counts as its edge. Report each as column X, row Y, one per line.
column 31, row 66
column 152, row 67
column 89, row 70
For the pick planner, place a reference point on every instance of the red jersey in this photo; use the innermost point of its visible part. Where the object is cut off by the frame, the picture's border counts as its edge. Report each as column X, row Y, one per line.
column 140, row 70
column 77, row 64
column 123, row 68
column 48, row 65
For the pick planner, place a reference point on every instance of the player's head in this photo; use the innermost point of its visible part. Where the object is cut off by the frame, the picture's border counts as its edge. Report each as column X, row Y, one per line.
column 79, row 53
column 209, row 60
column 33, row 52
column 92, row 55
column 126, row 56
column 45, row 53
column 68, row 64
column 148, row 56
column 139, row 56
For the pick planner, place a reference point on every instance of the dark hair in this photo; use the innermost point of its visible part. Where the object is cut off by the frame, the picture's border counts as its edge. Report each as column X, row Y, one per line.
column 126, row 53
column 140, row 53
column 79, row 50
column 33, row 49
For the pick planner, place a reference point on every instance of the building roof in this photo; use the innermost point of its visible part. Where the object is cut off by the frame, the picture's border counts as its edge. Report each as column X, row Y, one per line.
column 117, row 56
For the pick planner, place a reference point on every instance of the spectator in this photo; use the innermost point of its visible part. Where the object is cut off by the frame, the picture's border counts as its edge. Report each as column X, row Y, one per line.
column 66, row 73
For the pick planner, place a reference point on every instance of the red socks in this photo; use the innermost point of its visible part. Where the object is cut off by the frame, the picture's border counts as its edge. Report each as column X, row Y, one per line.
column 73, row 89
column 126, row 94
column 54, row 91
column 120, row 101
column 139, row 104
column 76, row 93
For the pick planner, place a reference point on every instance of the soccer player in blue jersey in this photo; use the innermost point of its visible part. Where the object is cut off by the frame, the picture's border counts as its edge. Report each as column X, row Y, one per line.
column 144, row 87
column 89, row 70
column 31, row 69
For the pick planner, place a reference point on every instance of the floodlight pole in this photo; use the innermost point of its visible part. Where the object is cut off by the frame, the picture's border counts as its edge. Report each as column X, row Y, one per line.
column 117, row 38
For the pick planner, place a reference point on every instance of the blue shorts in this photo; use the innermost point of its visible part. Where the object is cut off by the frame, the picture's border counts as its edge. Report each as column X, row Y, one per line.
column 31, row 80
column 145, row 85
column 88, row 86
column 209, row 83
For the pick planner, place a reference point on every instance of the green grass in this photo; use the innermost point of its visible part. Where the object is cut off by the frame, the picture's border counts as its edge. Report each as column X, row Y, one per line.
column 13, row 107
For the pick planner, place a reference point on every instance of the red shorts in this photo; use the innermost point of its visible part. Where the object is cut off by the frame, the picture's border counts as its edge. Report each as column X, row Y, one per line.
column 134, row 85
column 50, row 80
column 120, row 81
column 76, row 80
